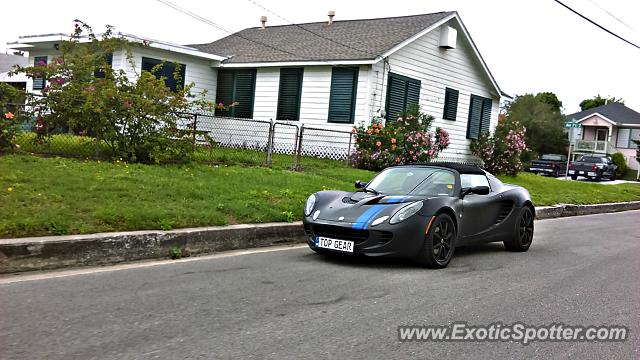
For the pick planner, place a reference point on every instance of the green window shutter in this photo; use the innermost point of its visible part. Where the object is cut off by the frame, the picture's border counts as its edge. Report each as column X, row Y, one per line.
column 479, row 116
column 167, row 70
column 342, row 99
column 395, row 97
column 475, row 117
column 38, row 83
column 413, row 93
column 244, row 92
column 486, row 116
column 236, row 86
column 289, row 94
column 450, row 104
column 224, row 91
column 401, row 91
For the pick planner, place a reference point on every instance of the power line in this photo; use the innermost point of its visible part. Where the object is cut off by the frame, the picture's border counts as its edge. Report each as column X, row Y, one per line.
column 211, row 23
column 596, row 24
column 610, row 14
column 310, row 31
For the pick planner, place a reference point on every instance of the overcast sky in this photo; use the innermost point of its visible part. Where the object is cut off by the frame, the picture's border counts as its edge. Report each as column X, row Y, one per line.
column 529, row 45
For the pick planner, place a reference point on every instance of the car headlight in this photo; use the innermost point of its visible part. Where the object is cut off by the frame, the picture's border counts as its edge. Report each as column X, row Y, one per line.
column 311, row 203
column 406, row 212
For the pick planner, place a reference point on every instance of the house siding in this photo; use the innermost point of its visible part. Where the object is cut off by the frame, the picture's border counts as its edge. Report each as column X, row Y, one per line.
column 438, row 69
column 314, row 99
column 198, row 71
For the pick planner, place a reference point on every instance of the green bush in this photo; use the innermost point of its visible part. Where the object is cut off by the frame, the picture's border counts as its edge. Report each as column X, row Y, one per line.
column 621, row 163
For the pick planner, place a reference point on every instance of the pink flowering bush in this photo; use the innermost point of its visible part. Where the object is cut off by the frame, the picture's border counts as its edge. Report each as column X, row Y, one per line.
column 404, row 140
column 501, row 152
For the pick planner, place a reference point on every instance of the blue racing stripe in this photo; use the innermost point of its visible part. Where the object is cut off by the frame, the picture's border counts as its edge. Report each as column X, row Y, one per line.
column 394, row 199
column 363, row 220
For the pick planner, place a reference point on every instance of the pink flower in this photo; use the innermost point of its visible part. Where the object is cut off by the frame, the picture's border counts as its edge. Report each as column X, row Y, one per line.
column 8, row 115
column 378, row 143
column 353, row 131
column 393, row 140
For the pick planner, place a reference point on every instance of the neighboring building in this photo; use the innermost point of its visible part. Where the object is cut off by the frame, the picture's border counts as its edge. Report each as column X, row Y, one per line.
column 7, row 63
column 608, row 129
column 333, row 74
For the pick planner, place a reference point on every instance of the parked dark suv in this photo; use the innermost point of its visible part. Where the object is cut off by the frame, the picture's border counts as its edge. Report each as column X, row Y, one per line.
column 593, row 167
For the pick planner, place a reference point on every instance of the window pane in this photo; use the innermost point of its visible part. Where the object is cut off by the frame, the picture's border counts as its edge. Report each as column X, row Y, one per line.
column 38, row 83
column 472, row 180
column 167, row 70
column 623, row 138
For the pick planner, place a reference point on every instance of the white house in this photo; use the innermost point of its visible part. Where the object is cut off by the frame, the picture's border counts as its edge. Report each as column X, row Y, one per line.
column 332, row 74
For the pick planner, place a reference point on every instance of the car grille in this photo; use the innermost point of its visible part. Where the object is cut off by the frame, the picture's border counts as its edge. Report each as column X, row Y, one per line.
column 346, row 233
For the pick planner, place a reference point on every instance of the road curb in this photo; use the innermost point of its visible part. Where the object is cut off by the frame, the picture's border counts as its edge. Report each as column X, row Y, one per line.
column 54, row 252
column 565, row 210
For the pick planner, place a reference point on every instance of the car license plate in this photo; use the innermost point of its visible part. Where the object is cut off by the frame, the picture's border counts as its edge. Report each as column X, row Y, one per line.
column 590, row 173
column 334, row 244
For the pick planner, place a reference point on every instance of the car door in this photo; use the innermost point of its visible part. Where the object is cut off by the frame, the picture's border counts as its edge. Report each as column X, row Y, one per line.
column 479, row 212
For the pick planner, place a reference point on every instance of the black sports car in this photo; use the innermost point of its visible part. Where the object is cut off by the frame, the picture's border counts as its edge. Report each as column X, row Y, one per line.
column 420, row 211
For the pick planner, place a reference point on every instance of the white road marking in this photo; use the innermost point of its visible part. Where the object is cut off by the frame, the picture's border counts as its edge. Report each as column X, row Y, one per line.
column 16, row 278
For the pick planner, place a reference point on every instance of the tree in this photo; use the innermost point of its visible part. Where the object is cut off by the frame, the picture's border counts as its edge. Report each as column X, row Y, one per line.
column 137, row 120
column 551, row 99
column 545, row 125
column 598, row 101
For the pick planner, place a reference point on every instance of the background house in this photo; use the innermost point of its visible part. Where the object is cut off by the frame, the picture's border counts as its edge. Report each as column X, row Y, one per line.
column 330, row 74
column 608, row 129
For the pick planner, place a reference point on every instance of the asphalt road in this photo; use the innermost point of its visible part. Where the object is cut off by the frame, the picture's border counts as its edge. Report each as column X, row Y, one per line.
column 296, row 304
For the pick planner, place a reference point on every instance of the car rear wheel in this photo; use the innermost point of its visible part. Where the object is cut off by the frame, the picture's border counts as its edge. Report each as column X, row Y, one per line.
column 522, row 233
column 439, row 243
column 574, row 177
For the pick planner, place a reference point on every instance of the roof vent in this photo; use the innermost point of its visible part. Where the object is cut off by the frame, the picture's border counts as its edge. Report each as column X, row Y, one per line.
column 331, row 14
column 448, row 37
column 263, row 20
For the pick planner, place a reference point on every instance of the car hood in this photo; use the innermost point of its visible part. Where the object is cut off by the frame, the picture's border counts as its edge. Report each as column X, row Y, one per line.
column 359, row 207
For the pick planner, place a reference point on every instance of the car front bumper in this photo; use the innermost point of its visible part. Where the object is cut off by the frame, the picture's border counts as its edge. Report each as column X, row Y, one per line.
column 404, row 239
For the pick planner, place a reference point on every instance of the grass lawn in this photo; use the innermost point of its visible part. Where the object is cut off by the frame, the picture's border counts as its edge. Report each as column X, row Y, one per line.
column 45, row 196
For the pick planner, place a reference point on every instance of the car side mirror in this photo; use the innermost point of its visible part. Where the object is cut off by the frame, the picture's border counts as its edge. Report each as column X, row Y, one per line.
column 360, row 184
column 478, row 190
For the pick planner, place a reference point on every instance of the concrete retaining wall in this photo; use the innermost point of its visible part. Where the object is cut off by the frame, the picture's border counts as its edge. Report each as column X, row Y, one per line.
column 52, row 252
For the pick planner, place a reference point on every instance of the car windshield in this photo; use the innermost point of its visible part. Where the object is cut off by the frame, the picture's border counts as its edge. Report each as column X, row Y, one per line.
column 591, row 159
column 423, row 181
column 552, row 157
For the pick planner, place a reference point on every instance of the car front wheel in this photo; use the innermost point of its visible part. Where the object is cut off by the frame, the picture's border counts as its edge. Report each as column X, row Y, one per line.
column 522, row 233
column 439, row 243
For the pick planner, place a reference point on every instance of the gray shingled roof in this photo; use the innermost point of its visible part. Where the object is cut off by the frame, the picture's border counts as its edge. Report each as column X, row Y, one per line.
column 342, row 40
column 614, row 112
